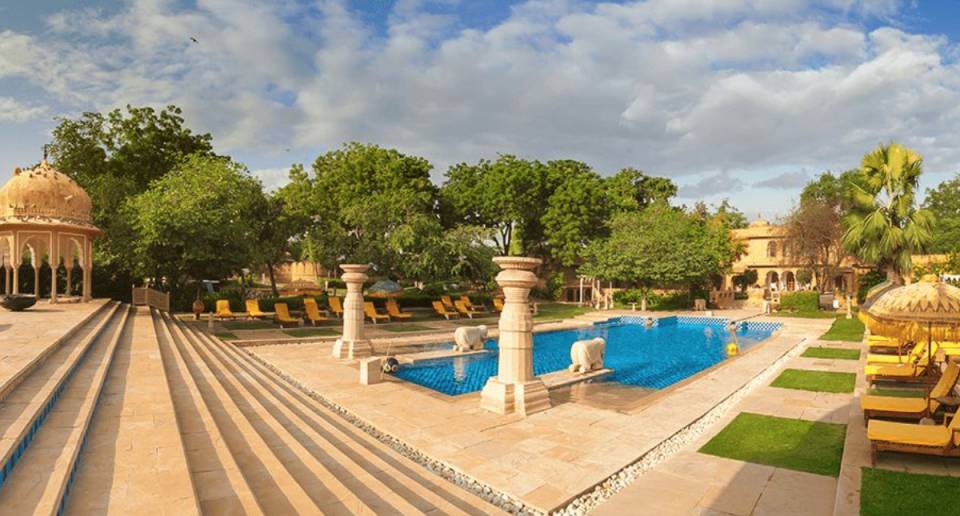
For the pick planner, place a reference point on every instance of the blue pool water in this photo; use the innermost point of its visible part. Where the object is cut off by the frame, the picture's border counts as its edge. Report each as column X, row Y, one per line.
column 674, row 349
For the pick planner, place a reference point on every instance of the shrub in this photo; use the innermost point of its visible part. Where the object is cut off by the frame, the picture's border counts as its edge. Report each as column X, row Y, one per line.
column 632, row 295
column 800, row 301
column 867, row 282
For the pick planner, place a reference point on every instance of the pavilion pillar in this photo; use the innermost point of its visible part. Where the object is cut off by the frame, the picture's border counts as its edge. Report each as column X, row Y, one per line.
column 69, row 267
column 352, row 344
column 16, row 279
column 36, row 278
column 515, row 388
column 6, row 279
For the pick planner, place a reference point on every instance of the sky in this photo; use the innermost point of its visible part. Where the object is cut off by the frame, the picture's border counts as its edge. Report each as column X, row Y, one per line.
column 739, row 99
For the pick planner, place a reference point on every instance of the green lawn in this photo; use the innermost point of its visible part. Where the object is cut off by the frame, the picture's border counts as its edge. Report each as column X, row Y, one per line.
column 226, row 336
column 811, row 446
column 248, row 325
column 550, row 311
column 890, row 493
column 406, row 327
column 816, row 381
column 818, row 314
column 824, row 352
column 845, row 329
column 312, row 332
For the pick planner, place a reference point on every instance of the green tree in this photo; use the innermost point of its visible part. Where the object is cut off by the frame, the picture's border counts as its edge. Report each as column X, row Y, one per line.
column 365, row 204
column 630, row 190
column 197, row 222
column 943, row 203
column 884, row 225
column 575, row 210
column 661, row 246
column 115, row 156
column 507, row 195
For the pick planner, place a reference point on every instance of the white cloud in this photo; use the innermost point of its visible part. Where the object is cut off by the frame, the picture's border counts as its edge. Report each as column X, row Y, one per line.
column 675, row 87
column 272, row 178
column 12, row 110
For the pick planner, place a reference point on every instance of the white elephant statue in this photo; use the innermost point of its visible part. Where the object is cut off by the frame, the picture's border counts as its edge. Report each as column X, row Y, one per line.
column 469, row 338
column 587, row 355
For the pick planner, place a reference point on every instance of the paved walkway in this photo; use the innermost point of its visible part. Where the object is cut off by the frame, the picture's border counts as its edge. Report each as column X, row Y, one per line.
column 697, row 483
column 544, row 460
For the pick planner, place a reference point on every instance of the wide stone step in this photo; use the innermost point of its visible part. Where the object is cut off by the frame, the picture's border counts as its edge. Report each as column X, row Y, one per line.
column 133, row 460
column 41, row 480
column 334, row 484
column 276, row 489
column 357, row 453
column 220, row 483
column 23, row 411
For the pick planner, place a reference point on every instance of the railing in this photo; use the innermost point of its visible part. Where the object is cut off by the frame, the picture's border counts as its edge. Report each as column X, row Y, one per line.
column 146, row 296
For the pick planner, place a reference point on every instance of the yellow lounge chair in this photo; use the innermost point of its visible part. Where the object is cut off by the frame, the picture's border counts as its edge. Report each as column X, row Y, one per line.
column 912, row 356
column 910, row 372
column 885, row 344
column 223, row 310
column 911, row 408
column 253, row 310
column 313, row 311
column 498, row 304
column 470, row 305
column 464, row 309
column 371, row 311
column 335, row 306
column 283, row 316
column 393, row 310
column 448, row 303
column 442, row 311
column 940, row 440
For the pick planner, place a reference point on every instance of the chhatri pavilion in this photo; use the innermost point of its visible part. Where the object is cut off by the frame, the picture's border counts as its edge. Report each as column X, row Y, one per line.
column 47, row 214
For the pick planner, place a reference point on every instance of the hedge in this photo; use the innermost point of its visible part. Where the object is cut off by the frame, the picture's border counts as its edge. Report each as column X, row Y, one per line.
column 800, row 301
column 675, row 301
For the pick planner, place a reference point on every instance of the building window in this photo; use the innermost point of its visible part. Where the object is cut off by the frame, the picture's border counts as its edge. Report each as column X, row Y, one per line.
column 772, row 249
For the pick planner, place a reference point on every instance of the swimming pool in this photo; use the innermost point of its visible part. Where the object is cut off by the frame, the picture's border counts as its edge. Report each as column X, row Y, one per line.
column 673, row 349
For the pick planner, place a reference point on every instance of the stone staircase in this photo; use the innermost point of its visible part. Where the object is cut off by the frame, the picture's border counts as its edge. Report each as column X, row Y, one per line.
column 137, row 413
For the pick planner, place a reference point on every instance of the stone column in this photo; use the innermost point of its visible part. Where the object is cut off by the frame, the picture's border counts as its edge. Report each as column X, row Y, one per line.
column 6, row 280
column 16, row 279
column 351, row 344
column 515, row 388
column 36, row 278
column 69, row 269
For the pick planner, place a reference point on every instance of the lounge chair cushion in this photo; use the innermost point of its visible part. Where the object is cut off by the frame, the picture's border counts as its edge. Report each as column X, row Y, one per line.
column 908, row 433
column 895, row 404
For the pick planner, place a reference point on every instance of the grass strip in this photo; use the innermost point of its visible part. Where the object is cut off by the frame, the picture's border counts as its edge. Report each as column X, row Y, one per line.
column 889, row 493
column 816, row 381
column 798, row 444
column 832, row 353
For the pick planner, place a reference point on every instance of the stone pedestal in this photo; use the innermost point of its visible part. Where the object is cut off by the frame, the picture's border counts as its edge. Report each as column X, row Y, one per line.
column 515, row 388
column 351, row 344
column 371, row 370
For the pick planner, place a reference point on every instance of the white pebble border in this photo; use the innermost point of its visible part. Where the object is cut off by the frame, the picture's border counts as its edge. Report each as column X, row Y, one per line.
column 583, row 503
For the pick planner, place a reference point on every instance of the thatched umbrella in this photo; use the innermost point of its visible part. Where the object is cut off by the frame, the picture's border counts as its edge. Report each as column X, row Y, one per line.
column 928, row 309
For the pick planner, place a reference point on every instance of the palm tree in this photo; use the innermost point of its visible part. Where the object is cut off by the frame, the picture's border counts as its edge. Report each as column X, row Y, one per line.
column 884, row 225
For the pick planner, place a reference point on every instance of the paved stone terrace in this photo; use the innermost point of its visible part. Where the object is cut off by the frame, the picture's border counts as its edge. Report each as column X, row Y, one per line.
column 697, row 483
column 549, row 458
column 29, row 336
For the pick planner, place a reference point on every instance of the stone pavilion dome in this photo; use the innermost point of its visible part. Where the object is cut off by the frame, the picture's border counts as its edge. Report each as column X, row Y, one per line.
column 44, row 196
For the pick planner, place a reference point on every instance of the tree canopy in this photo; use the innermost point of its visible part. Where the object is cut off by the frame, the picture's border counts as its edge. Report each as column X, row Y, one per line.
column 115, row 156
column 200, row 221
column 662, row 246
column 943, row 203
column 884, row 225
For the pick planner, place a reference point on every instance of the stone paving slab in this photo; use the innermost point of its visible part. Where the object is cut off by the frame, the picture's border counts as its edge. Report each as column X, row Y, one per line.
column 546, row 459
column 27, row 337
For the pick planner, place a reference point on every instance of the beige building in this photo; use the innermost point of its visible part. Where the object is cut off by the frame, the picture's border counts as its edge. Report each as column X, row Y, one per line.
column 296, row 272
column 767, row 253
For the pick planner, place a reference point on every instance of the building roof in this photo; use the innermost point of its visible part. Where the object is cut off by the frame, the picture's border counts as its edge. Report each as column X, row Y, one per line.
column 46, row 197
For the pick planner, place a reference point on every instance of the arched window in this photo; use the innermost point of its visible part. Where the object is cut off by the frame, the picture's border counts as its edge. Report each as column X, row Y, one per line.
column 772, row 249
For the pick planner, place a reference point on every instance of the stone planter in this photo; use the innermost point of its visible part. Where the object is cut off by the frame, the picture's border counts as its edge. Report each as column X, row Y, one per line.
column 17, row 303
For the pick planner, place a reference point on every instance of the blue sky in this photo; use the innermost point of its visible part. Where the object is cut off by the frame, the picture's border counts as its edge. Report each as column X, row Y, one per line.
column 739, row 99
